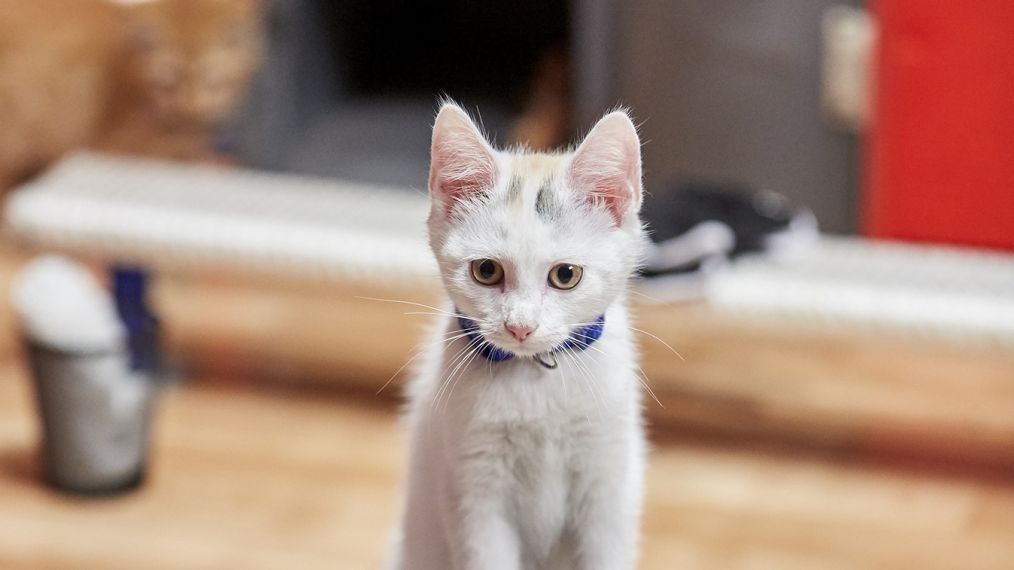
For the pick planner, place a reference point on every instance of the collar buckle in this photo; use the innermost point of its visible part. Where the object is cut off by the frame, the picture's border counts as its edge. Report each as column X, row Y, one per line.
column 547, row 360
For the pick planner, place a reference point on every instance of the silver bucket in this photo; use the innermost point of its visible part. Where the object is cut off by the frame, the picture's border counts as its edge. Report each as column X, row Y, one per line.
column 96, row 417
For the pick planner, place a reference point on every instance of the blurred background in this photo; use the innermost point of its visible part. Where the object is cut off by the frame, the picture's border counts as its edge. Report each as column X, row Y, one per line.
column 211, row 375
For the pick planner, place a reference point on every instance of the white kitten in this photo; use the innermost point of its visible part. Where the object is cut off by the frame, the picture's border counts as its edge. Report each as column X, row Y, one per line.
column 527, row 442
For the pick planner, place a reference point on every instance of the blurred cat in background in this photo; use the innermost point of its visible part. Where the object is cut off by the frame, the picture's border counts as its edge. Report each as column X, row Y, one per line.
column 150, row 78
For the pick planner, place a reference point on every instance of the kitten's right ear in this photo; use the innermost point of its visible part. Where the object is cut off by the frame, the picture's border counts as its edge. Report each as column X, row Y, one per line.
column 461, row 161
column 606, row 167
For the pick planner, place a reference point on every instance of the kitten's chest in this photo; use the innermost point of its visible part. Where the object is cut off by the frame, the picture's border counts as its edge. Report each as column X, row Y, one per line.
column 583, row 389
column 535, row 473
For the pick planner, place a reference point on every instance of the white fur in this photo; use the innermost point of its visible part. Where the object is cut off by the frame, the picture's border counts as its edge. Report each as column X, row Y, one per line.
column 515, row 466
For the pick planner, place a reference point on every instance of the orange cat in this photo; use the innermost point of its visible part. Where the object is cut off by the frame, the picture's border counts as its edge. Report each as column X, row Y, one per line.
column 150, row 78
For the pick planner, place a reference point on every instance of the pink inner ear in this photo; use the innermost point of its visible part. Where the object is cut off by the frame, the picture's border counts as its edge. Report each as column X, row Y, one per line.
column 462, row 162
column 607, row 169
column 458, row 173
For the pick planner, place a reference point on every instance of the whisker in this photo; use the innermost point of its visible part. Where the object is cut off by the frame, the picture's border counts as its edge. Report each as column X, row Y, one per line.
column 450, row 393
column 600, row 397
column 455, row 335
column 589, row 379
column 447, row 338
column 635, row 329
column 642, row 378
column 458, row 367
column 445, row 377
column 650, row 298
column 585, row 346
column 398, row 371
column 457, row 362
column 664, row 343
column 413, row 303
column 651, row 393
column 566, row 397
column 570, row 359
column 456, row 375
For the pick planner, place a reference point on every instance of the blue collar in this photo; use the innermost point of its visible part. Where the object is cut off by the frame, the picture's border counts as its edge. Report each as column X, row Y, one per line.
column 580, row 339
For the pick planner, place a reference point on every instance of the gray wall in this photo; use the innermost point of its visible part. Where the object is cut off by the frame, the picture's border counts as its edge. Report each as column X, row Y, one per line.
column 728, row 90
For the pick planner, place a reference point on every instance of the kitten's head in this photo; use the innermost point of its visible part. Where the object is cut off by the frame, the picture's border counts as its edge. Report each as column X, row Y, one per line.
column 530, row 245
column 194, row 58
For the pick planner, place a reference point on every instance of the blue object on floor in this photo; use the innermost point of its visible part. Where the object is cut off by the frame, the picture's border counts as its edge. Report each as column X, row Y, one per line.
column 130, row 289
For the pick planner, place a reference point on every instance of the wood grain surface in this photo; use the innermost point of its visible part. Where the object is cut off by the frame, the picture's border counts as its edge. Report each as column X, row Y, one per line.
column 270, row 479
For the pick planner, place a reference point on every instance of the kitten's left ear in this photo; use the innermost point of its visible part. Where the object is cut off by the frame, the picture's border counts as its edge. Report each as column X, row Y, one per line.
column 606, row 168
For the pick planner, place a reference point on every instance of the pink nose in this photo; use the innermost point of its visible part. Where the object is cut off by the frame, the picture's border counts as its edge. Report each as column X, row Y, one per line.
column 520, row 332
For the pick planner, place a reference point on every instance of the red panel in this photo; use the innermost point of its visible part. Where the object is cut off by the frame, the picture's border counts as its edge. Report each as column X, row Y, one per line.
column 940, row 161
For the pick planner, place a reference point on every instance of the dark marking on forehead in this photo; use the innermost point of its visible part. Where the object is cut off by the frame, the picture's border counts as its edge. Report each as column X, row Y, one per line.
column 546, row 205
column 514, row 189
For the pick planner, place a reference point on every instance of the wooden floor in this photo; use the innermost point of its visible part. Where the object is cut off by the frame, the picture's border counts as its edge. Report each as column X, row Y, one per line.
column 254, row 479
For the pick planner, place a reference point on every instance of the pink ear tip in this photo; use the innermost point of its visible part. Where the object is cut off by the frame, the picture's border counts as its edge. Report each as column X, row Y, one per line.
column 449, row 110
column 619, row 120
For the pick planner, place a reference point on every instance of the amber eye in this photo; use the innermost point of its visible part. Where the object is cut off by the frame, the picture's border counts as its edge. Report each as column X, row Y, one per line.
column 487, row 272
column 565, row 276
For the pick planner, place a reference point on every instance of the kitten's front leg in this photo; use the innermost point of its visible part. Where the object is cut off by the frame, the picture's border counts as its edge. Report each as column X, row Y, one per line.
column 482, row 535
column 607, row 532
column 485, row 538
column 608, row 519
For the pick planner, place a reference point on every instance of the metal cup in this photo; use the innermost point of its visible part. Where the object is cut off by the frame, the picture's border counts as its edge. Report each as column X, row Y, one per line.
column 96, row 416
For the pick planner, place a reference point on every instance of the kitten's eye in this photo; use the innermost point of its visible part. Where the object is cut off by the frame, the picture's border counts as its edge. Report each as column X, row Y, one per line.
column 487, row 272
column 565, row 276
